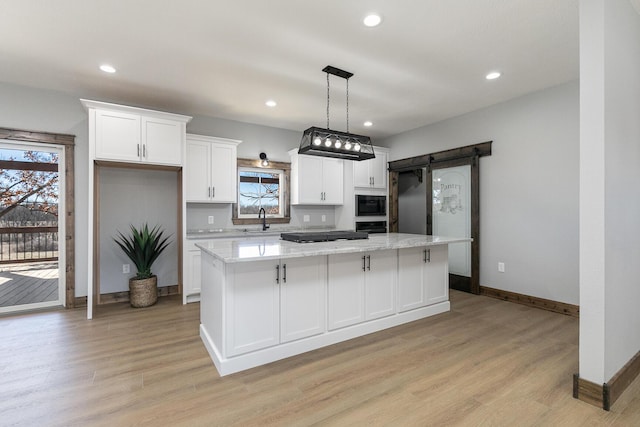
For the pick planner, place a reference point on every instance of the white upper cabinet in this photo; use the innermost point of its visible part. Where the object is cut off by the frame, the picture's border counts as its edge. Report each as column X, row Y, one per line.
column 135, row 135
column 162, row 141
column 316, row 180
column 372, row 173
column 117, row 136
column 211, row 169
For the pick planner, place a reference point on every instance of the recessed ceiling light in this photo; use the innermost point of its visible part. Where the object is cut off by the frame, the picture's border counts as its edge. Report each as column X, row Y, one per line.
column 493, row 75
column 271, row 103
column 107, row 68
column 372, row 20
column 368, row 123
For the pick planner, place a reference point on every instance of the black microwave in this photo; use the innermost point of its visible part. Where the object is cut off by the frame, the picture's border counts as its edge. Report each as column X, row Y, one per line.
column 367, row 205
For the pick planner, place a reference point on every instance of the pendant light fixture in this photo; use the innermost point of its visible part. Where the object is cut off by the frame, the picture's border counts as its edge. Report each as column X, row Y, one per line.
column 331, row 143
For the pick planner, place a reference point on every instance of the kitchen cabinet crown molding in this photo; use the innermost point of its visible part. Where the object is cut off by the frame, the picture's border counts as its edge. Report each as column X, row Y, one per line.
column 99, row 105
column 216, row 139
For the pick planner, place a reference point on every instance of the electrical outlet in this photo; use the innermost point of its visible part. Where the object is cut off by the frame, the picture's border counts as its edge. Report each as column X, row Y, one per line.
column 324, row 218
column 126, row 268
column 501, row 267
column 305, row 218
column 211, row 219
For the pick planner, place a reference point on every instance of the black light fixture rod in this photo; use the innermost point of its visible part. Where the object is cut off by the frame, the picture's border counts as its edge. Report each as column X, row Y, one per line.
column 337, row 72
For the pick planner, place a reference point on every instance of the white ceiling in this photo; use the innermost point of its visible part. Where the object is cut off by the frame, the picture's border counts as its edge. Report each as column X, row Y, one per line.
column 424, row 63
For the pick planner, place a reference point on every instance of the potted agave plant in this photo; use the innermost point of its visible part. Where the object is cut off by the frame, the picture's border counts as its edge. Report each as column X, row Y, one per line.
column 143, row 246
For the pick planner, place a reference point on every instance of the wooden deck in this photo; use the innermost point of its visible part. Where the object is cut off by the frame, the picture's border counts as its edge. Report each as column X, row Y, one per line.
column 28, row 283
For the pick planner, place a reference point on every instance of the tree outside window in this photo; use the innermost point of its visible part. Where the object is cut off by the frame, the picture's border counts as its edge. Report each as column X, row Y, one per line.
column 28, row 194
column 259, row 188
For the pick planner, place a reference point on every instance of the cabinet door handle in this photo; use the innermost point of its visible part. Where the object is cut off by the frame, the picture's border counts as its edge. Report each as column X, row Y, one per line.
column 284, row 273
column 369, row 262
column 373, row 180
column 144, row 150
column 209, row 188
column 428, row 255
column 138, row 149
column 278, row 274
column 363, row 263
column 213, row 192
column 424, row 256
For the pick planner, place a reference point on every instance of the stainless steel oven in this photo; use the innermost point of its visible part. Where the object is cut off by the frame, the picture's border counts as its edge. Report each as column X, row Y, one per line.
column 369, row 205
column 372, row 226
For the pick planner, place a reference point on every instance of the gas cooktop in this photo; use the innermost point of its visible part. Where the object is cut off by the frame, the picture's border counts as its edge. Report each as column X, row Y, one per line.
column 323, row 236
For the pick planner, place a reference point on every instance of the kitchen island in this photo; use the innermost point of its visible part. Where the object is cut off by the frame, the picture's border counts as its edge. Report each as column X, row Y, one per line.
column 265, row 299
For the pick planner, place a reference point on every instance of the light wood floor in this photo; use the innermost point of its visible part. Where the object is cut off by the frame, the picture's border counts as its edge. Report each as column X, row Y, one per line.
column 485, row 363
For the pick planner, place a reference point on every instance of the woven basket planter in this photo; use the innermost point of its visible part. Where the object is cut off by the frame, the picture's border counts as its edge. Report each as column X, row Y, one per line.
column 143, row 292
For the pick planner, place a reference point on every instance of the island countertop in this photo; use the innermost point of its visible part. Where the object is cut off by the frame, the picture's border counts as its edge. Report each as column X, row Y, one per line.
column 272, row 247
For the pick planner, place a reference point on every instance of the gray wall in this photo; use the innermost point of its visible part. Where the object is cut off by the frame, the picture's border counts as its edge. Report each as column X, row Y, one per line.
column 198, row 213
column 255, row 138
column 129, row 196
column 51, row 111
column 528, row 188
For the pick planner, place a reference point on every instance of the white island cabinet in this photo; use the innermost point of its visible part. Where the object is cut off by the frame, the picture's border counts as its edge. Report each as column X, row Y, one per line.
column 422, row 274
column 362, row 286
column 268, row 302
column 265, row 299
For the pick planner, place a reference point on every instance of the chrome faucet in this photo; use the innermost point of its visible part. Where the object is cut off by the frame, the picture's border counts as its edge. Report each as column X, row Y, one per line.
column 264, row 219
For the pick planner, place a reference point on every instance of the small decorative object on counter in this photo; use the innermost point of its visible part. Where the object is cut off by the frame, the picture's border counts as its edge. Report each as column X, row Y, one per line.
column 143, row 246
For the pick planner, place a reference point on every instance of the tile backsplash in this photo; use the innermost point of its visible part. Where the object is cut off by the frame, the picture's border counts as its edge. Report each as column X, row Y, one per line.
column 198, row 216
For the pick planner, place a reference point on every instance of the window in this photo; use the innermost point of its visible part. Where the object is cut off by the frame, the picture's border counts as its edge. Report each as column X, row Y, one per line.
column 262, row 187
column 257, row 189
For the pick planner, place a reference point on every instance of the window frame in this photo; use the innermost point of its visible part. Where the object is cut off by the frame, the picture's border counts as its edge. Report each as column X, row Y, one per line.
column 285, row 188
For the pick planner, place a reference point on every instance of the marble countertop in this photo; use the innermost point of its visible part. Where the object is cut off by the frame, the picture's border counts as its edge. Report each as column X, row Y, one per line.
column 272, row 247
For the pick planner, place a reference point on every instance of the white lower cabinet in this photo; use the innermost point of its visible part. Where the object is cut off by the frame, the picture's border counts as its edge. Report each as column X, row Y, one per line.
column 361, row 286
column 252, row 307
column 423, row 277
column 256, row 312
column 192, row 273
column 380, row 287
column 272, row 302
column 345, row 290
column 302, row 297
